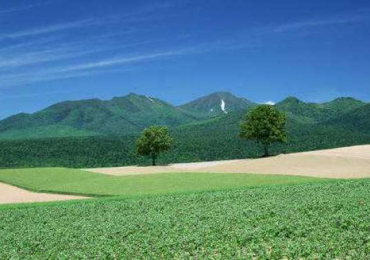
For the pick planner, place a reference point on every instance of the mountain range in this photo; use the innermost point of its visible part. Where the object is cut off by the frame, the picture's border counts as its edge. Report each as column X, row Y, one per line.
column 132, row 113
column 102, row 133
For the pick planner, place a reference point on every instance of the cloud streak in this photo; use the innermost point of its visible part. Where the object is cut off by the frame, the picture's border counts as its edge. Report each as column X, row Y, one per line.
column 59, row 61
column 94, row 67
column 29, row 78
column 83, row 69
column 22, row 8
column 11, row 60
column 138, row 15
column 312, row 24
column 50, row 29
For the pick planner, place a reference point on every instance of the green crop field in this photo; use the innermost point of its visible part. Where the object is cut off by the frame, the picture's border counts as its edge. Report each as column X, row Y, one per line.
column 328, row 220
column 72, row 181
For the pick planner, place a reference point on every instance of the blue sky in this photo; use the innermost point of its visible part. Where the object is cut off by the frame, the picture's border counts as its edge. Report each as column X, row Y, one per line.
column 54, row 50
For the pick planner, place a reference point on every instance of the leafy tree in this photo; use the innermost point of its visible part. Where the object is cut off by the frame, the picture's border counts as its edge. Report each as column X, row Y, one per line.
column 266, row 125
column 153, row 141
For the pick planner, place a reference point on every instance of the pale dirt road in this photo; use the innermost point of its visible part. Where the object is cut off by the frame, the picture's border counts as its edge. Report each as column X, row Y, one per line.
column 10, row 194
column 341, row 163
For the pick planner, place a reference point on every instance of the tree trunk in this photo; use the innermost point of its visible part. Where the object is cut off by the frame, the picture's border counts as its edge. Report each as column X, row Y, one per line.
column 154, row 157
column 266, row 148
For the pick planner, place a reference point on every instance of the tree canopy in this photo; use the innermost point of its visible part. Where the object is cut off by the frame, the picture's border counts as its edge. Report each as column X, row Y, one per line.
column 266, row 125
column 153, row 141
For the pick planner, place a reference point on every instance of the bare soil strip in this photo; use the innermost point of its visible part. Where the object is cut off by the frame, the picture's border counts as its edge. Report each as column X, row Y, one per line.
column 341, row 163
column 10, row 194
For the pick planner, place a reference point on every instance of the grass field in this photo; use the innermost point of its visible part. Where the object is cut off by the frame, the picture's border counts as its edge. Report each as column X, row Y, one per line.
column 71, row 181
column 316, row 220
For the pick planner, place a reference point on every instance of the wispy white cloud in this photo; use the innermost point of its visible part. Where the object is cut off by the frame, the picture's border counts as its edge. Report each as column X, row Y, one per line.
column 95, row 67
column 11, row 60
column 271, row 103
column 82, row 69
column 41, row 49
column 146, row 12
column 19, row 56
column 43, row 76
column 311, row 24
column 43, row 56
column 143, row 13
column 50, row 29
column 316, row 23
column 19, row 47
column 117, row 61
column 22, row 8
column 202, row 48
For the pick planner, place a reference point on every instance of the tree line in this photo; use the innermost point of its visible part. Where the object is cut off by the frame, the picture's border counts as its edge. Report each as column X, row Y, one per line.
column 264, row 124
column 204, row 144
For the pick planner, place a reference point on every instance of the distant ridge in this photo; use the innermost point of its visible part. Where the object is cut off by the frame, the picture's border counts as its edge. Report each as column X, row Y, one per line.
column 132, row 113
column 314, row 112
column 120, row 115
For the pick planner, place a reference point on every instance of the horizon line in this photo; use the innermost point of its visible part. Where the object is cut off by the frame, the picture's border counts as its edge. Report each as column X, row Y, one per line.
column 267, row 102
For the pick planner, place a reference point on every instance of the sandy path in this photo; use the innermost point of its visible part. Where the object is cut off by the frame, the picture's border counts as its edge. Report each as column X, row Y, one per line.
column 10, row 194
column 347, row 162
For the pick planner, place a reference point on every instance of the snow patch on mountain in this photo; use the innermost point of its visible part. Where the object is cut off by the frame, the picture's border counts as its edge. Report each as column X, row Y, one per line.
column 223, row 105
column 150, row 99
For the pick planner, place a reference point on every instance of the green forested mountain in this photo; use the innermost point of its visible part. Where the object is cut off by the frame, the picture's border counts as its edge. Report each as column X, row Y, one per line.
column 132, row 113
column 313, row 112
column 355, row 120
column 304, row 112
column 343, row 105
column 93, row 133
column 119, row 116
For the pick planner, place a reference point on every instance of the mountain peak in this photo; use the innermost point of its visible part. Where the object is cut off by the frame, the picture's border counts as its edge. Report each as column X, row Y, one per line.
column 346, row 99
column 217, row 103
column 131, row 95
column 221, row 94
column 343, row 103
column 292, row 100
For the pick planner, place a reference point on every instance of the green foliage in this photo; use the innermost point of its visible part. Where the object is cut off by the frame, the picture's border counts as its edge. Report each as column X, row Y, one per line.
column 50, row 131
column 72, row 181
column 153, row 141
column 355, row 120
column 265, row 125
column 311, row 221
column 206, row 142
